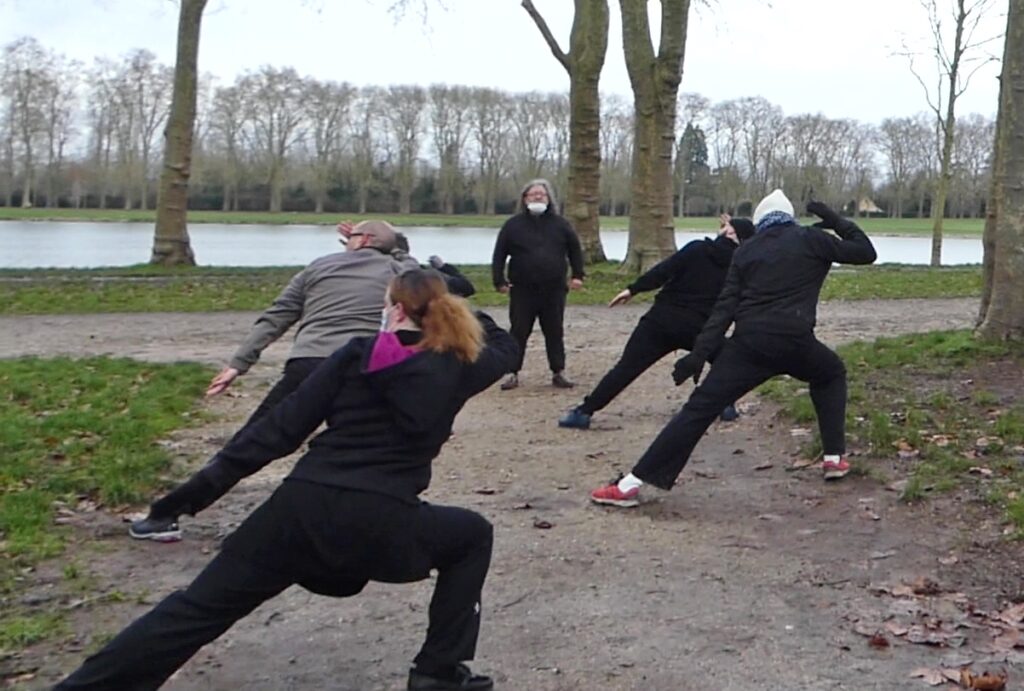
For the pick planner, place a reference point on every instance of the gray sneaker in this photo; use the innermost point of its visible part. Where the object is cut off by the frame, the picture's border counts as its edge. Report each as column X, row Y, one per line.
column 157, row 529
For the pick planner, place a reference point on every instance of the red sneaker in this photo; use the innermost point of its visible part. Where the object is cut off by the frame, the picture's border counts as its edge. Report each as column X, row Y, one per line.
column 833, row 470
column 613, row 496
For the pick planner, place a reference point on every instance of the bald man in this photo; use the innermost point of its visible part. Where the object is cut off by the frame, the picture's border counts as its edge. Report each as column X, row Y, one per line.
column 336, row 298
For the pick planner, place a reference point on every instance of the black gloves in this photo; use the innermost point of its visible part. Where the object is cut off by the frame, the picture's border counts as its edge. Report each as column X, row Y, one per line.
column 822, row 211
column 686, row 367
column 829, row 218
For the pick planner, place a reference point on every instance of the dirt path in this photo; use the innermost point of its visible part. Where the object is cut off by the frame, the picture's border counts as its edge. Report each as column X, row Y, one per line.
column 741, row 578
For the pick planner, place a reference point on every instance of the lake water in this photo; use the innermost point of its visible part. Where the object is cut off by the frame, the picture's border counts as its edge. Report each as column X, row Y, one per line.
column 30, row 244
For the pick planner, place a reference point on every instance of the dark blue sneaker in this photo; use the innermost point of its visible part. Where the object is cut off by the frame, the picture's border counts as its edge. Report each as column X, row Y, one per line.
column 729, row 414
column 575, row 419
column 158, row 529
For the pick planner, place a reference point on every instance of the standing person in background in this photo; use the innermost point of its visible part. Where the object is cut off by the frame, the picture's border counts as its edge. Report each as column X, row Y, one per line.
column 539, row 246
column 336, row 298
column 690, row 281
column 771, row 294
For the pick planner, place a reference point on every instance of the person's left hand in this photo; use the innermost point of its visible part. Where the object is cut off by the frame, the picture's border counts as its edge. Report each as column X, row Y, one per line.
column 222, row 381
column 688, row 366
column 344, row 231
column 576, row 284
column 724, row 220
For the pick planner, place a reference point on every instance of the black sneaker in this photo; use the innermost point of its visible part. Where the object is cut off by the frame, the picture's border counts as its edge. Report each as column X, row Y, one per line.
column 510, row 383
column 729, row 414
column 462, row 679
column 158, row 529
column 559, row 381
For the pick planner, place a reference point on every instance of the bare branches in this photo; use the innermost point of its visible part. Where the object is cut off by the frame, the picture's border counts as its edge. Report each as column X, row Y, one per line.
column 549, row 38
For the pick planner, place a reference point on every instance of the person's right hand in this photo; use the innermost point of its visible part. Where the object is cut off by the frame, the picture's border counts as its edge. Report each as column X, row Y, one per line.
column 435, row 261
column 724, row 220
column 686, row 367
column 222, row 381
column 622, row 298
column 504, row 289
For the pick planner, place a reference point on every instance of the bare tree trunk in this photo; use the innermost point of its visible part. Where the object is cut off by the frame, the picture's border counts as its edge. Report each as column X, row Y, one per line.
column 588, row 44
column 171, row 245
column 1002, row 317
column 655, row 81
column 942, row 188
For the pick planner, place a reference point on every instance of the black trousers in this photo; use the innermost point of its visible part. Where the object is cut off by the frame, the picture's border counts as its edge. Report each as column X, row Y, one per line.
column 194, row 494
column 330, row 541
column 547, row 303
column 746, row 361
column 657, row 334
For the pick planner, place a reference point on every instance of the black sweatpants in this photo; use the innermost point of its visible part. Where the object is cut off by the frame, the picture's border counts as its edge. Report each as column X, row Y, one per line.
column 657, row 334
column 746, row 361
column 193, row 495
column 528, row 303
column 330, row 541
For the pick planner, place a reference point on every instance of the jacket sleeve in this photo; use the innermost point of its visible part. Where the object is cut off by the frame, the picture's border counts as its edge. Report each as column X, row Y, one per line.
column 271, row 325
column 457, row 282
column 712, row 336
column 497, row 357
column 282, row 430
column 499, row 257
column 659, row 274
column 851, row 247
column 575, row 252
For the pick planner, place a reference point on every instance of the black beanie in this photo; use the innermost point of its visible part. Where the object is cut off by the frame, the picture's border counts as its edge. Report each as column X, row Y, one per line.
column 743, row 227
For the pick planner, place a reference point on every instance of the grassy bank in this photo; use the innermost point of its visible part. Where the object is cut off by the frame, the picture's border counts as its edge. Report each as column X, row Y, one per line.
column 74, row 435
column 927, row 432
column 879, row 226
column 208, row 289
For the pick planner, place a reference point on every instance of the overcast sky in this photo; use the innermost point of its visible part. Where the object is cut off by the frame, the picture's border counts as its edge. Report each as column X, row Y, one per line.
column 831, row 56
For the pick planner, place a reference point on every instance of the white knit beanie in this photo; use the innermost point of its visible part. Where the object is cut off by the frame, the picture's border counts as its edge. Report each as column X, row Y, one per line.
column 776, row 201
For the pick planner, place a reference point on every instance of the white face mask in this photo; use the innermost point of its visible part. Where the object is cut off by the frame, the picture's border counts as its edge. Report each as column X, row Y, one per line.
column 537, row 208
column 384, row 319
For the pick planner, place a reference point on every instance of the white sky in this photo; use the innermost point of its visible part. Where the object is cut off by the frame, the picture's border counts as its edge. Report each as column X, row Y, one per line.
column 830, row 56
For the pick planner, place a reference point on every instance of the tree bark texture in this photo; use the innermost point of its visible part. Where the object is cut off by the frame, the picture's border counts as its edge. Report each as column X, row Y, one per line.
column 655, row 81
column 171, row 245
column 1003, row 317
column 588, row 44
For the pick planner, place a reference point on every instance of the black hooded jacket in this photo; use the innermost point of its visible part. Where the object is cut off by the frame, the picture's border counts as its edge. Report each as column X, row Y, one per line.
column 775, row 279
column 691, row 278
column 383, row 427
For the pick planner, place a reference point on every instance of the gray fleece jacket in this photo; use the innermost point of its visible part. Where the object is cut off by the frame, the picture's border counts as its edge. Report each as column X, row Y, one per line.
column 335, row 299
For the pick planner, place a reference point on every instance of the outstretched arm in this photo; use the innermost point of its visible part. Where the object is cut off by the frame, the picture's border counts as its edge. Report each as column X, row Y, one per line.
column 271, row 325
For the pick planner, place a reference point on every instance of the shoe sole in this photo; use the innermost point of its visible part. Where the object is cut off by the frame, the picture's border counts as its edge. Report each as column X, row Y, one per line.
column 564, row 425
column 169, row 536
column 836, row 474
column 621, row 503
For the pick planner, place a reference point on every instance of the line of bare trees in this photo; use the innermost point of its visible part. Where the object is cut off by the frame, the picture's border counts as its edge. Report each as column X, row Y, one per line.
column 77, row 136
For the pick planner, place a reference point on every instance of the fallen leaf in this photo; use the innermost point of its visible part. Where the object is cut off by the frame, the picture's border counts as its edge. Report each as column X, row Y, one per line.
column 896, row 629
column 706, row 475
column 903, row 590
column 948, row 561
column 883, row 555
column 799, row 432
column 764, row 466
column 905, row 451
column 802, row 463
column 522, row 507
column 925, row 586
column 983, row 682
column 978, row 470
column 878, row 641
column 1013, row 615
column 543, row 525
column 484, row 490
column 1007, row 640
column 932, row 677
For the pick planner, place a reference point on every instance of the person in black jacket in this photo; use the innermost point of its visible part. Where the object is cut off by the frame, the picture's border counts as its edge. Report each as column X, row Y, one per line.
column 690, row 281
column 536, row 242
column 771, row 294
column 349, row 511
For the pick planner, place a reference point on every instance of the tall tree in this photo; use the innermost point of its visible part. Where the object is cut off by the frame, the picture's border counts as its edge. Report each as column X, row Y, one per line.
column 1002, row 308
column 655, row 79
column 171, row 243
column 956, row 61
column 588, row 44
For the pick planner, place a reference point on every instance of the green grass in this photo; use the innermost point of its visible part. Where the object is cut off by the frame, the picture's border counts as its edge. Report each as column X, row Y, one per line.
column 18, row 631
column 878, row 226
column 74, row 429
column 902, row 394
column 146, row 288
